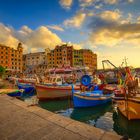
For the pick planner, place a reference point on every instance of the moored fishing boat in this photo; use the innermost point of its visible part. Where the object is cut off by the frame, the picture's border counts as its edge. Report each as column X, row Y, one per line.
column 93, row 97
column 29, row 89
column 90, row 98
column 130, row 105
column 54, row 88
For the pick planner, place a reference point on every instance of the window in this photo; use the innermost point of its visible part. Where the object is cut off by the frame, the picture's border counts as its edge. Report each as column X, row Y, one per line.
column 59, row 80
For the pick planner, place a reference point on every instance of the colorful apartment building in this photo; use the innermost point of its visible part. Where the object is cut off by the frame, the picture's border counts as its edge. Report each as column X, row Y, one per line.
column 65, row 54
column 62, row 54
column 11, row 58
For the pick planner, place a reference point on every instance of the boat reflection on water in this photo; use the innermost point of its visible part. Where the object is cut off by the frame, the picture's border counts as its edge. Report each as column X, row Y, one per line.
column 90, row 114
column 124, row 126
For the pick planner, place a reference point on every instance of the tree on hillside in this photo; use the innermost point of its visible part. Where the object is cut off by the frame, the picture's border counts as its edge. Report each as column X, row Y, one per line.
column 2, row 71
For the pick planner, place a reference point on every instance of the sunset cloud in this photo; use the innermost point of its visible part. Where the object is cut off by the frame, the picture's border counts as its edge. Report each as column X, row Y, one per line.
column 75, row 21
column 66, row 3
column 6, row 36
column 85, row 3
column 110, row 31
column 110, row 15
column 56, row 27
column 40, row 38
column 111, row 1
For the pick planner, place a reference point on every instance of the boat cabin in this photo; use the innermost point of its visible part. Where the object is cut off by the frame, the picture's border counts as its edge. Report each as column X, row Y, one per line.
column 56, row 80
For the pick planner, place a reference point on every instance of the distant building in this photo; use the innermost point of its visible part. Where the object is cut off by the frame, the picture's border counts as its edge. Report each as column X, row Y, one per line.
column 70, row 55
column 77, row 58
column 35, row 62
column 89, row 58
column 11, row 58
column 62, row 54
column 65, row 54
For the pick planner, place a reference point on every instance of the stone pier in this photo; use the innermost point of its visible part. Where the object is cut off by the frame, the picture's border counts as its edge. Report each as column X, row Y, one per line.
column 20, row 122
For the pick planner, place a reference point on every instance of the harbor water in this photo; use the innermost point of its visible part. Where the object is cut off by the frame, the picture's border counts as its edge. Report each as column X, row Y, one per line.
column 105, row 117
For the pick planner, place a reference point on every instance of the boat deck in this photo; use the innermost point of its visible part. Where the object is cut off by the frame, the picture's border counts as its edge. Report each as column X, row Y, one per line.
column 20, row 122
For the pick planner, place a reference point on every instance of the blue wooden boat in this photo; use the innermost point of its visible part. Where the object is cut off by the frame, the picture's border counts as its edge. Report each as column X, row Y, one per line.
column 89, row 98
column 16, row 94
column 29, row 89
column 12, row 92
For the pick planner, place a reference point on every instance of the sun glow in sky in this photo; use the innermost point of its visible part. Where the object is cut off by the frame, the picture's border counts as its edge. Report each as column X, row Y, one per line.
column 111, row 28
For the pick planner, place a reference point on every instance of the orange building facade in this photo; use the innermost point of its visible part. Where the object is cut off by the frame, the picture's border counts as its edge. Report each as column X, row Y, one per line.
column 89, row 59
column 11, row 58
column 62, row 54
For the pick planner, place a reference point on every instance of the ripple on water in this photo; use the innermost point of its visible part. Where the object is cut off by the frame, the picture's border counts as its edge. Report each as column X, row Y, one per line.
column 105, row 122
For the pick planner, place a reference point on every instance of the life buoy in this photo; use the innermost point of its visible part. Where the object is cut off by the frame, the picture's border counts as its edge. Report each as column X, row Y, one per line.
column 85, row 80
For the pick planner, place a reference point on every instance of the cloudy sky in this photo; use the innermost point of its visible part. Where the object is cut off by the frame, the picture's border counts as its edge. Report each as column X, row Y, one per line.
column 111, row 28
